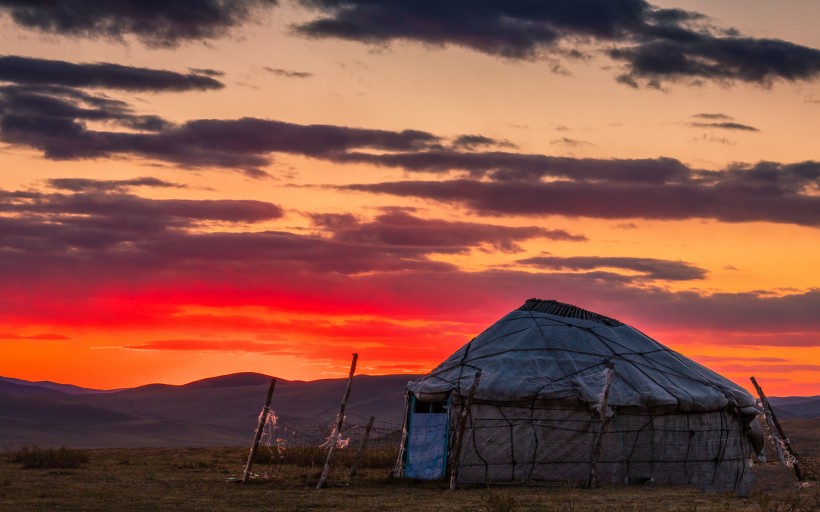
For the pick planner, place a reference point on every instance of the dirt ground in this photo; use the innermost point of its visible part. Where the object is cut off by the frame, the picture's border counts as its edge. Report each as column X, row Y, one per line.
column 205, row 479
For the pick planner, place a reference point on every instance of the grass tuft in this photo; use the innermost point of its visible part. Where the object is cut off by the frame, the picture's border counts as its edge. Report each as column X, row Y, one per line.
column 33, row 456
column 494, row 501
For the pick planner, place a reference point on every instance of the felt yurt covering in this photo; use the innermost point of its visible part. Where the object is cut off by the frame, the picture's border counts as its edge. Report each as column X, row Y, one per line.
column 536, row 412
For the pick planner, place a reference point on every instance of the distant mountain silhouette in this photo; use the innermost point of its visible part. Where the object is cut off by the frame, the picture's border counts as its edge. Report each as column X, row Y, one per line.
column 218, row 411
column 63, row 388
column 796, row 407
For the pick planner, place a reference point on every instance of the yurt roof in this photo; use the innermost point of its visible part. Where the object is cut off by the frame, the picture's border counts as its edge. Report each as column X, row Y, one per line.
column 548, row 350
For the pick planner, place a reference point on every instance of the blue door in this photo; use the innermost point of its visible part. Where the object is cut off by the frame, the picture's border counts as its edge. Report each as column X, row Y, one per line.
column 428, row 434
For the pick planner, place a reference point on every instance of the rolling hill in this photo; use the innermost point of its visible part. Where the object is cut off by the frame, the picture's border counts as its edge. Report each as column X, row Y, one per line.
column 219, row 411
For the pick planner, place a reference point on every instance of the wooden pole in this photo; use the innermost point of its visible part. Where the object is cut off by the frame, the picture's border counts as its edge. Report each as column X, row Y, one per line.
column 599, row 436
column 398, row 468
column 462, row 419
column 334, row 436
column 263, row 418
column 360, row 451
column 767, row 409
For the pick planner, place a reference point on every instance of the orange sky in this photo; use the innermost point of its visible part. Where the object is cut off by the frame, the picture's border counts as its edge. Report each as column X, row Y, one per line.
column 270, row 188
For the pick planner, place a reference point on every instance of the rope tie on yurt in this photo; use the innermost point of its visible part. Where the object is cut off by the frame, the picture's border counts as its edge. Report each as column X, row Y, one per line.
column 620, row 434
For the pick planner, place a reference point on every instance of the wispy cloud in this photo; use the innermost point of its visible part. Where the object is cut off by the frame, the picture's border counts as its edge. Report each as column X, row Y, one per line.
column 397, row 228
column 92, row 185
column 287, row 73
column 721, row 122
column 648, row 268
column 571, row 143
column 34, row 337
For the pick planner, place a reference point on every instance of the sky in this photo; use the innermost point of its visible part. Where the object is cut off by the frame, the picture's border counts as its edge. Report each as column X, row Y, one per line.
column 191, row 189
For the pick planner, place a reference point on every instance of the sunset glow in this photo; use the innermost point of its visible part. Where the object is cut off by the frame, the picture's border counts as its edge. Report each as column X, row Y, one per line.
column 272, row 186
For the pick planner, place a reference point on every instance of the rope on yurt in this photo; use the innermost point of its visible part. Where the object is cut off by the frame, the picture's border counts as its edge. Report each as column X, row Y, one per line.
column 620, row 434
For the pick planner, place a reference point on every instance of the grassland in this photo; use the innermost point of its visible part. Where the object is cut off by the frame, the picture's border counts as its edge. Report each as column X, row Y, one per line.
column 204, row 479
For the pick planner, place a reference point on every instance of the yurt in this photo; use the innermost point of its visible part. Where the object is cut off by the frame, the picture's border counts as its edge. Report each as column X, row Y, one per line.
column 568, row 395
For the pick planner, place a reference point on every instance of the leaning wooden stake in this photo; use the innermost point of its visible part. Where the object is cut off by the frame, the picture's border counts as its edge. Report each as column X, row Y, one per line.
column 337, row 430
column 360, row 451
column 462, row 419
column 263, row 418
column 767, row 409
column 778, row 445
column 599, row 436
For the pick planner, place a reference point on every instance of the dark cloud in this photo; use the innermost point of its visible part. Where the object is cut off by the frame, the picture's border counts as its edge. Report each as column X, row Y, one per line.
column 279, row 251
column 507, row 166
column 472, row 142
column 509, row 29
column 728, row 125
column 704, row 56
column 114, row 228
column 649, row 268
column 157, row 24
column 287, row 73
column 93, row 221
column 571, row 143
column 90, row 185
column 61, row 112
column 32, row 71
column 43, row 108
column 55, row 120
column 713, row 116
column 207, row 71
column 614, row 189
column 720, row 121
column 55, row 126
column 742, row 196
column 655, row 44
column 397, row 228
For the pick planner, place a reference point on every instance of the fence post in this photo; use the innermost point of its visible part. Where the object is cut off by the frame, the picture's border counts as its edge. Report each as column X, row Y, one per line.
column 338, row 429
column 360, row 451
column 398, row 468
column 767, row 409
column 462, row 418
column 263, row 417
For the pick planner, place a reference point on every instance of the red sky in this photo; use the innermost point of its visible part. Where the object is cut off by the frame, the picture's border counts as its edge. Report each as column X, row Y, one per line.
column 268, row 186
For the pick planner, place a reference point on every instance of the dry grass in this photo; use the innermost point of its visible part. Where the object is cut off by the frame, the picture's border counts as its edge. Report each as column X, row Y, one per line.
column 188, row 479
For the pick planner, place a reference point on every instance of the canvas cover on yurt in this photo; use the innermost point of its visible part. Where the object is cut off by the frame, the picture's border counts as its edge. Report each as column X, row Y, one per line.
column 536, row 414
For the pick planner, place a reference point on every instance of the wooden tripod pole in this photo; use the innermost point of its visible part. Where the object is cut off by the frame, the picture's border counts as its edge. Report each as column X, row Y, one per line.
column 337, row 431
column 263, row 418
column 767, row 409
